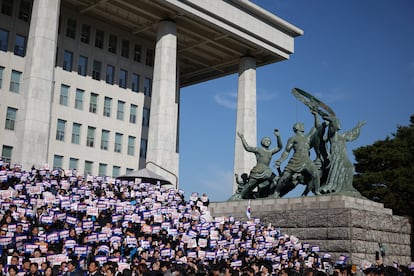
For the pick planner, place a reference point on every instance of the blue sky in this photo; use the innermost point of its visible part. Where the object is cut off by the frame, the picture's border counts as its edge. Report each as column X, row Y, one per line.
column 357, row 56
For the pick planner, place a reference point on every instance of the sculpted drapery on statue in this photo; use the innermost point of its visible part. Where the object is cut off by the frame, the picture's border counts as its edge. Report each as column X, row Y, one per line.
column 330, row 172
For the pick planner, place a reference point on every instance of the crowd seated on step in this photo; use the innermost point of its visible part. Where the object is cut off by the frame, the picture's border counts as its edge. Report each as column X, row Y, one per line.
column 56, row 223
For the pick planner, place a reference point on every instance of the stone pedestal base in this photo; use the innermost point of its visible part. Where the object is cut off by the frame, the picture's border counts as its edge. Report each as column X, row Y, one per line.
column 337, row 224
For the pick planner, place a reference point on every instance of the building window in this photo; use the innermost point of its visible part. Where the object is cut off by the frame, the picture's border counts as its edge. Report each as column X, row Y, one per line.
column 4, row 40
column 15, row 81
column 97, row 70
column 120, row 110
column 129, row 170
column 102, row 169
column 105, row 139
column 135, row 82
column 93, row 104
column 25, row 10
column 137, row 52
column 11, row 118
column 110, row 70
column 149, row 58
column 57, row 161
column 90, row 139
column 73, row 163
column 115, row 171
column 79, row 99
column 143, row 148
column 82, row 65
column 7, row 7
column 145, row 116
column 148, row 87
column 67, row 60
column 88, row 167
column 123, row 78
column 60, row 130
column 20, row 45
column 1, row 76
column 6, row 154
column 64, row 94
column 133, row 114
column 99, row 38
column 107, row 107
column 76, row 132
column 125, row 48
column 112, row 44
column 85, row 33
column 118, row 142
column 131, row 145
column 71, row 28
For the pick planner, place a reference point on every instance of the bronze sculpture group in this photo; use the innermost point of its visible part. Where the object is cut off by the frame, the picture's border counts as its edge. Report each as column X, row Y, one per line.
column 330, row 172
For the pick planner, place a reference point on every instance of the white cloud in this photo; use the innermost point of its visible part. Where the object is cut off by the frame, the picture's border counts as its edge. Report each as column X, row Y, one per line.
column 229, row 100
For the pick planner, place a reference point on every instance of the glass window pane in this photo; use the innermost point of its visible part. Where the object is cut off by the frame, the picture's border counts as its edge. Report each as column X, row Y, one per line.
column 107, row 107
column 110, row 70
column 118, row 142
column 93, row 104
column 133, row 114
column 123, row 78
column 67, row 60
column 64, row 95
column 25, row 10
column 73, row 163
column 71, row 28
column 85, row 33
column 82, row 65
column 97, row 70
column 112, row 44
column 60, row 130
column 20, row 45
column 137, row 52
column 15, row 81
column 7, row 7
column 57, row 161
column 116, row 171
column 125, row 48
column 79, row 99
column 76, row 132
column 135, row 82
column 6, row 153
column 105, row 139
column 11, row 118
column 4, row 40
column 148, row 87
column 90, row 139
column 120, row 111
column 99, row 39
column 88, row 167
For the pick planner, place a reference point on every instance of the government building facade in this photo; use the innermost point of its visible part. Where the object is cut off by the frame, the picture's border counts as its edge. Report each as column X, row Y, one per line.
column 94, row 85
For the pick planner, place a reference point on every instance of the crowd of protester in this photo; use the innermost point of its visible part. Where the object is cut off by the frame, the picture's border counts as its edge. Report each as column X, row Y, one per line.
column 58, row 223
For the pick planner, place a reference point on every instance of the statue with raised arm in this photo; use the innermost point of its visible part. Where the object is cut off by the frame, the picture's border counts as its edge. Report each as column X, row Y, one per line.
column 341, row 170
column 261, row 172
column 300, row 168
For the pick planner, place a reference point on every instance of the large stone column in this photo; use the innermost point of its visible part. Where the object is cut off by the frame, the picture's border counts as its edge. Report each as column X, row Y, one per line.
column 37, row 84
column 162, row 133
column 246, row 117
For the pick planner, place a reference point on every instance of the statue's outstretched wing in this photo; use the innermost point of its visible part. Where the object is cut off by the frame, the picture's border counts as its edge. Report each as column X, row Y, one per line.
column 312, row 102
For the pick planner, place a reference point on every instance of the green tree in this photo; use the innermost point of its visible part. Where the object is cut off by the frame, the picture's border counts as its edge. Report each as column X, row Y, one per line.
column 385, row 171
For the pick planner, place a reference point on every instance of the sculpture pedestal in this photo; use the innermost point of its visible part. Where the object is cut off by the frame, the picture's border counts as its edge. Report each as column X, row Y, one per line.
column 337, row 224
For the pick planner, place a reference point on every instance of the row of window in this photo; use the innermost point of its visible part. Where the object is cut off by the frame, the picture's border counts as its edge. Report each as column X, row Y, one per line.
column 91, row 137
column 96, row 73
column 20, row 41
column 24, row 11
column 107, row 105
column 10, row 124
column 6, row 156
column 88, row 166
column 108, row 41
